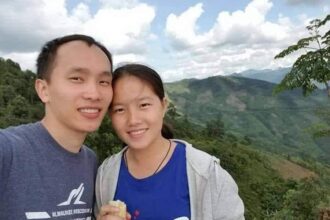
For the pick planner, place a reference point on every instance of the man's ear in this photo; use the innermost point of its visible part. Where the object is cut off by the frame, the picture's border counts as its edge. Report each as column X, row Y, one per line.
column 41, row 87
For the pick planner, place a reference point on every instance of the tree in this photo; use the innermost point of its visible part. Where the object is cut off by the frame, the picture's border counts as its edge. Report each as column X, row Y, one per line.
column 172, row 111
column 215, row 128
column 303, row 202
column 312, row 67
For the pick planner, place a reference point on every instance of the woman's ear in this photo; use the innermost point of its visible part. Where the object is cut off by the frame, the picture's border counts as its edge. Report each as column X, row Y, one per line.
column 165, row 105
column 41, row 87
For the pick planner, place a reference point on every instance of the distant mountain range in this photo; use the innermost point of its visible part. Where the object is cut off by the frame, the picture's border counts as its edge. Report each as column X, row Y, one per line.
column 248, row 108
column 273, row 76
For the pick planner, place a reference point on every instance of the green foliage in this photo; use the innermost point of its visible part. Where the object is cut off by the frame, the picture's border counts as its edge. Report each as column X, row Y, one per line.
column 19, row 102
column 104, row 141
column 322, row 129
column 215, row 128
column 265, row 194
column 312, row 67
column 248, row 109
column 172, row 111
column 303, row 201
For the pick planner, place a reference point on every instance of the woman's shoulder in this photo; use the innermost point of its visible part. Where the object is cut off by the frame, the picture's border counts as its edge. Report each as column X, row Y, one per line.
column 113, row 159
column 199, row 160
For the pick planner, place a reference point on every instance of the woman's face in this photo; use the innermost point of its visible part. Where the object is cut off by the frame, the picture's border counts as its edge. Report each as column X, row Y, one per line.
column 137, row 112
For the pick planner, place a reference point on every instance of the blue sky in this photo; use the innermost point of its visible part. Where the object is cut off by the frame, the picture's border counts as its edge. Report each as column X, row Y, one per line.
column 180, row 39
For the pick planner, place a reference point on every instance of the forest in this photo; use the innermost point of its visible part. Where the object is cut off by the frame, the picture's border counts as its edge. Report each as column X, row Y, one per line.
column 273, row 184
column 266, row 193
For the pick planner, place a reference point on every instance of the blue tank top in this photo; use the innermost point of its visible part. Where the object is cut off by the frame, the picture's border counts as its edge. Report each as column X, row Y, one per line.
column 162, row 196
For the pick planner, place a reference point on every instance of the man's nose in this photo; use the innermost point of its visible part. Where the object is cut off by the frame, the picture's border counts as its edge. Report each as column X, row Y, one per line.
column 92, row 91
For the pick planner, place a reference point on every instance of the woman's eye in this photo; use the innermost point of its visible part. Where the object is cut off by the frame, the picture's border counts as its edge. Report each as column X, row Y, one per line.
column 145, row 105
column 118, row 110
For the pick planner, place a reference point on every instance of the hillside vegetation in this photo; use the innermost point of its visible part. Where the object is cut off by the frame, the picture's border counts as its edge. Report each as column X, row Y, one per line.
column 290, row 170
column 266, row 192
column 248, row 108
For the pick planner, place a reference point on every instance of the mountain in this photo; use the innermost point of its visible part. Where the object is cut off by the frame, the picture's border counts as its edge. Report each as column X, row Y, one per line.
column 249, row 109
column 273, row 76
column 271, row 186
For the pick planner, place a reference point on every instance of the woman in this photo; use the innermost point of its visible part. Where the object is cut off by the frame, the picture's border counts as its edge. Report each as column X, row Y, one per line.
column 157, row 177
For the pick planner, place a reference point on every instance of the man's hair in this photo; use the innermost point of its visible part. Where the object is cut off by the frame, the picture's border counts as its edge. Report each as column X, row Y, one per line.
column 47, row 55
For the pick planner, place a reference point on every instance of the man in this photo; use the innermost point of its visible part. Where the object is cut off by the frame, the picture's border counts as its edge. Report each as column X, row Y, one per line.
column 45, row 170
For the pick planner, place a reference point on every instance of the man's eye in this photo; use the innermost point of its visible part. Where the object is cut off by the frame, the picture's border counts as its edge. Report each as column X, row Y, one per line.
column 105, row 83
column 76, row 79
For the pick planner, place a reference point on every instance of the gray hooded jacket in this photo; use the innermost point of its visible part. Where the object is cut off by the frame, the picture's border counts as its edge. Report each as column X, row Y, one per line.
column 213, row 192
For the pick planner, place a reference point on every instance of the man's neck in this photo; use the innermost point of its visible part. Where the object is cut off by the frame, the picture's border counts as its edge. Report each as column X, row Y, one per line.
column 68, row 139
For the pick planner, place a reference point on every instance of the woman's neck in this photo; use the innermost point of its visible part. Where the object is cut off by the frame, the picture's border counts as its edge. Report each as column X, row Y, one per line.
column 145, row 162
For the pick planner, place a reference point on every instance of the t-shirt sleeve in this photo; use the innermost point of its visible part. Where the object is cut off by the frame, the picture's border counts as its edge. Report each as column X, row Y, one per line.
column 5, row 160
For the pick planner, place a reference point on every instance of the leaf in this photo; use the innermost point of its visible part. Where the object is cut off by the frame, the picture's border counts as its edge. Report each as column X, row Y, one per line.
column 325, row 20
column 303, row 43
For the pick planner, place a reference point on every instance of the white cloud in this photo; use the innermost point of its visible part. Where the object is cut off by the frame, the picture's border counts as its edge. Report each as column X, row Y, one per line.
column 24, row 27
column 237, row 41
column 124, row 58
column 182, row 28
column 309, row 2
column 25, row 60
column 123, row 28
column 117, row 4
column 81, row 12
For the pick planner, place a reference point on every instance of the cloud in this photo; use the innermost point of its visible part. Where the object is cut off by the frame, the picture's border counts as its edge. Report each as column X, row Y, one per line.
column 123, row 30
column 122, row 26
column 117, row 4
column 240, row 27
column 25, row 60
column 307, row 2
column 243, row 39
column 182, row 28
column 25, row 27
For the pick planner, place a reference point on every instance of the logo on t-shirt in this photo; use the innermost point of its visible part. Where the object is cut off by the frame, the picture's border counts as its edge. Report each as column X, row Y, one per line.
column 74, row 195
column 73, row 198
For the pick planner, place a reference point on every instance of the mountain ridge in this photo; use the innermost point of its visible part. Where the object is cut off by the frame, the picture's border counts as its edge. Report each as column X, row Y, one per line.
column 269, row 75
column 249, row 108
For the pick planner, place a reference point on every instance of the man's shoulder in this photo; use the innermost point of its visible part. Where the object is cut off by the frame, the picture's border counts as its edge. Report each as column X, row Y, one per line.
column 16, row 130
column 15, row 133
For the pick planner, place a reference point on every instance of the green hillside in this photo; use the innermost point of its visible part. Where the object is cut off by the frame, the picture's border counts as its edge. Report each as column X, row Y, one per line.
column 247, row 107
column 271, row 186
column 19, row 102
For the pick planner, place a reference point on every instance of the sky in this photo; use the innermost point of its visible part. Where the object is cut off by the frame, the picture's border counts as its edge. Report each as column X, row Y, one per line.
column 179, row 39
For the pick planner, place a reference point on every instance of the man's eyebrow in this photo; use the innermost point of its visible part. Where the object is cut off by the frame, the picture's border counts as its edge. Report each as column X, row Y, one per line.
column 85, row 71
column 106, row 72
column 78, row 70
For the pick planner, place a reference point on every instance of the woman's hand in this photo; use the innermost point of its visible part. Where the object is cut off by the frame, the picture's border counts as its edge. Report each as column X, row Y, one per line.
column 109, row 212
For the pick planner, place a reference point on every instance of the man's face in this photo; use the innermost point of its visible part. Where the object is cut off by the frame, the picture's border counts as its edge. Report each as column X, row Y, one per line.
column 79, row 91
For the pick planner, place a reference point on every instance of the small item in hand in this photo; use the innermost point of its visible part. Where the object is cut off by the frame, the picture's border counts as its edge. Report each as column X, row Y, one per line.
column 122, row 208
